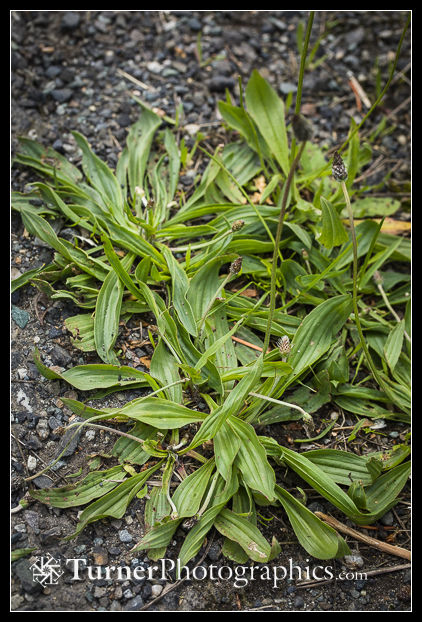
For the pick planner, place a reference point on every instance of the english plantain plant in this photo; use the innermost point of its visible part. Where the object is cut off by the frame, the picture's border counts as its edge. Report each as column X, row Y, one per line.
column 263, row 222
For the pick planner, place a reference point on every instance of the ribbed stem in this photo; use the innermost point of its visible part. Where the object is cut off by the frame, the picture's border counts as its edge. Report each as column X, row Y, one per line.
column 369, row 360
column 286, row 190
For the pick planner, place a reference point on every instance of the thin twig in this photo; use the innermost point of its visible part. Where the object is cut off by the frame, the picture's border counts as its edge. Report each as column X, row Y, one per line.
column 368, row 573
column 378, row 544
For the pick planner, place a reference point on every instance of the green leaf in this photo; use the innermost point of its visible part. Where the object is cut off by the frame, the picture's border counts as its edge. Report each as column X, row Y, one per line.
column 381, row 495
column 244, row 533
column 139, row 140
column 226, row 447
column 102, row 178
column 165, row 369
column 393, row 345
column 370, row 207
column 344, row 467
column 180, row 285
column 159, row 413
column 237, row 118
column 267, row 110
column 95, row 484
column 188, row 495
column 333, row 232
column 317, row 331
column 231, row 406
column 115, row 502
column 82, row 328
column 251, row 459
column 204, row 285
column 19, row 553
column 128, row 450
column 317, row 538
column 107, row 314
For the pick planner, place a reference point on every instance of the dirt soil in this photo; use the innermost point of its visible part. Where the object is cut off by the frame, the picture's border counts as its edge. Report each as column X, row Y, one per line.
column 67, row 74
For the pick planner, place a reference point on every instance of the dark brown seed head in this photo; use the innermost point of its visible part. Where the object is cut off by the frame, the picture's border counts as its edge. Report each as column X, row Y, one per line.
column 302, row 128
column 339, row 169
column 236, row 266
column 237, row 225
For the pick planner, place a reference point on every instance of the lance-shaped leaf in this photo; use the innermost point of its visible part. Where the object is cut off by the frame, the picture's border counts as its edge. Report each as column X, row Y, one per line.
column 317, row 538
column 157, row 412
column 139, row 140
column 267, row 110
column 129, row 450
column 157, row 508
column 226, row 447
column 107, row 314
column 232, row 405
column 158, row 537
column 81, row 326
column 383, row 493
column 188, row 495
column 344, row 467
column 238, row 119
column 333, row 232
column 95, row 484
column 204, row 285
column 38, row 226
column 251, row 459
column 394, row 344
column 249, row 537
column 242, row 503
column 102, row 178
column 96, row 376
column 165, row 369
column 223, row 492
column 317, row 331
column 115, row 502
column 180, row 285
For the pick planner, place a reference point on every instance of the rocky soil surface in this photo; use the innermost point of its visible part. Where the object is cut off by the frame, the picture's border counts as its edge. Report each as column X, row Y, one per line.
column 77, row 71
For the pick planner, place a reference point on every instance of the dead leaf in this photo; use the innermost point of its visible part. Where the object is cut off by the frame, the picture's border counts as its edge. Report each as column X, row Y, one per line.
column 146, row 361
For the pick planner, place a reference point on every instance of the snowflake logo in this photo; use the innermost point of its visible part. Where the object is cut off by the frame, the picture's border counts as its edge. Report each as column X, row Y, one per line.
column 46, row 570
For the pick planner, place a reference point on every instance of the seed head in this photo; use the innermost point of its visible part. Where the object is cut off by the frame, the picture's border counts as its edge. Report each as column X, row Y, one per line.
column 339, row 169
column 284, row 346
column 236, row 266
column 377, row 278
column 237, row 225
column 302, row 128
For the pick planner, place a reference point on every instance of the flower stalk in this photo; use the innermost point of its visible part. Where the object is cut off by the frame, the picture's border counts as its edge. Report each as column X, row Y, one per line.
column 340, row 174
column 277, row 239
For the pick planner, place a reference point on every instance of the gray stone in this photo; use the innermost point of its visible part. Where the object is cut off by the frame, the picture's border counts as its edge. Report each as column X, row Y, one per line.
column 134, row 604
column 387, row 519
column 99, row 592
column 70, row 438
column 32, row 519
column 70, row 20
column 20, row 316
column 24, row 574
column 124, row 536
column 61, row 95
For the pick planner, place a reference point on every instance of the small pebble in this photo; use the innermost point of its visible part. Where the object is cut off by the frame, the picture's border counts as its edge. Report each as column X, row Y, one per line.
column 125, row 536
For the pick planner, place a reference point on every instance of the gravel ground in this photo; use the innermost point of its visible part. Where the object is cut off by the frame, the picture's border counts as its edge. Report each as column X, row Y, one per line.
column 68, row 74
